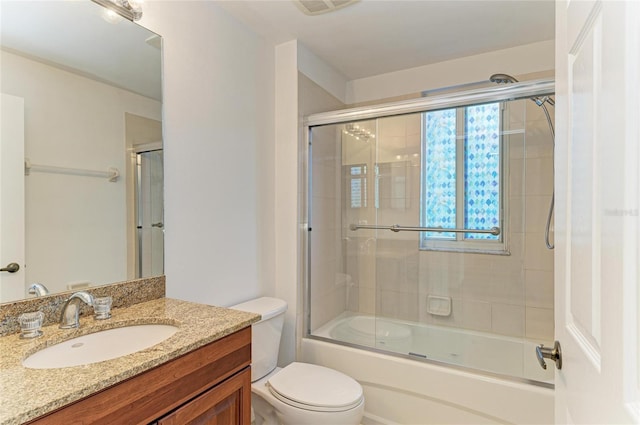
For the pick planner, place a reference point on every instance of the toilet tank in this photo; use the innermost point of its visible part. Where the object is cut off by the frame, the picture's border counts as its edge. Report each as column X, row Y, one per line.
column 265, row 334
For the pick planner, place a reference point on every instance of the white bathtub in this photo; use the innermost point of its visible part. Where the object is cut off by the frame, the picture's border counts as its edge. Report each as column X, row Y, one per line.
column 401, row 390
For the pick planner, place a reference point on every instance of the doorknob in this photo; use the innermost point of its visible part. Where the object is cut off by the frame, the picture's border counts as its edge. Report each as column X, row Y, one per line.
column 159, row 224
column 554, row 354
column 11, row 268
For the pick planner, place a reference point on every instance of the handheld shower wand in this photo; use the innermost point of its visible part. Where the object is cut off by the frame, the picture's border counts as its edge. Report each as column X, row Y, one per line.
column 540, row 101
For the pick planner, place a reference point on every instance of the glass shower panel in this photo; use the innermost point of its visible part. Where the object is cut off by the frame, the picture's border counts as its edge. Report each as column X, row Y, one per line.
column 358, row 150
column 395, row 276
column 339, row 190
column 471, row 299
column 471, row 287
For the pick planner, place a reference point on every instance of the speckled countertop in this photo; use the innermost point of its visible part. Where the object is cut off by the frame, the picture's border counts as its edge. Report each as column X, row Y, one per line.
column 29, row 393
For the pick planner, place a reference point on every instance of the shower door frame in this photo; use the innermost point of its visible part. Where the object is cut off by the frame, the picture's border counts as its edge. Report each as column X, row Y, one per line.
column 140, row 208
column 489, row 94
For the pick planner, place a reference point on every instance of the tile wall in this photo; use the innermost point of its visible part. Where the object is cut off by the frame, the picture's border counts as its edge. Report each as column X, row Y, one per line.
column 384, row 273
column 329, row 288
column 328, row 282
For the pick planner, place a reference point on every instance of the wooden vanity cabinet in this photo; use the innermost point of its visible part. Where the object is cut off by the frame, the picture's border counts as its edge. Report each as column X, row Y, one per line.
column 218, row 406
column 210, row 385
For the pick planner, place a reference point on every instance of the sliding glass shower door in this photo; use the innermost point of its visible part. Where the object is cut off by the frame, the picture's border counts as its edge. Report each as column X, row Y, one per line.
column 427, row 235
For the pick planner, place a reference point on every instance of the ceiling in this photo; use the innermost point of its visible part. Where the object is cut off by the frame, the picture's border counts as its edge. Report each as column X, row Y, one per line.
column 373, row 37
column 367, row 38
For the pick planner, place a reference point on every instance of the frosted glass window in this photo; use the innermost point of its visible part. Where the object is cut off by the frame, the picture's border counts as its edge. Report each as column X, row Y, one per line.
column 482, row 169
column 439, row 168
column 462, row 177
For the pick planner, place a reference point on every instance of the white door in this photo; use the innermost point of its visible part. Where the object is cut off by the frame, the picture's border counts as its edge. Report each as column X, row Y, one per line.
column 12, row 197
column 597, row 217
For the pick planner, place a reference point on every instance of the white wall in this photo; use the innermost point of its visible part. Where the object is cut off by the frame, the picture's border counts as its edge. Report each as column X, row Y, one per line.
column 286, row 194
column 321, row 73
column 530, row 58
column 219, row 153
column 297, row 94
column 73, row 121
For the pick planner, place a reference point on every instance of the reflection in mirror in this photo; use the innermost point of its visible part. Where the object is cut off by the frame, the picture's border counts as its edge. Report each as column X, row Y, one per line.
column 150, row 223
column 81, row 150
column 392, row 185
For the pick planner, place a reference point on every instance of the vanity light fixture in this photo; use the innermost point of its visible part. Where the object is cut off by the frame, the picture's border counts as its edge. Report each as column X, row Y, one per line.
column 111, row 17
column 129, row 9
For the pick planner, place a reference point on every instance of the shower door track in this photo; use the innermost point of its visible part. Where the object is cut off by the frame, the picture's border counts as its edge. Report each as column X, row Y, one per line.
column 496, row 93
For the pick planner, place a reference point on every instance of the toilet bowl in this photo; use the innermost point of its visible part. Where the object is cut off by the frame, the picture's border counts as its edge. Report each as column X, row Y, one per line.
column 306, row 394
column 300, row 393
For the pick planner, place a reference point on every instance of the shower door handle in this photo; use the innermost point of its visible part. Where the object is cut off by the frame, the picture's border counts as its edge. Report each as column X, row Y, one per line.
column 554, row 354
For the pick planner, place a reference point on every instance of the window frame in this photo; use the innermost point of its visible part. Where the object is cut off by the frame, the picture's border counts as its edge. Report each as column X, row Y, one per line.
column 460, row 243
column 363, row 178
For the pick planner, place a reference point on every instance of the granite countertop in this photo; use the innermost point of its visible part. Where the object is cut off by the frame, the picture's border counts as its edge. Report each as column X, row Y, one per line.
column 29, row 393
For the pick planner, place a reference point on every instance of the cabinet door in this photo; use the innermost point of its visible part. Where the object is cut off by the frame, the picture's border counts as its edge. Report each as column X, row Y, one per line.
column 228, row 403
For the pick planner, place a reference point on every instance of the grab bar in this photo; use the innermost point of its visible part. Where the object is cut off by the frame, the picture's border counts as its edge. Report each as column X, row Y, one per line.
column 398, row 228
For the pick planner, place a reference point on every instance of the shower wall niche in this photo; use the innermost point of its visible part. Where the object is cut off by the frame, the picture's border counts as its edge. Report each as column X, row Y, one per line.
column 436, row 295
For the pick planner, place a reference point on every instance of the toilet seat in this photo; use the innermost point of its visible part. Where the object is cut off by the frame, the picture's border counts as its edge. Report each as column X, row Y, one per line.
column 316, row 388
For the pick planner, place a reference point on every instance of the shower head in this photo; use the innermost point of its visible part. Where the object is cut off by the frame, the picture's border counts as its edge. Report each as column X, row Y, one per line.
column 506, row 79
column 502, row 79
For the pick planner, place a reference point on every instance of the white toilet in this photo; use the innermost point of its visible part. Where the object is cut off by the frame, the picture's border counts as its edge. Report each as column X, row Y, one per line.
column 300, row 393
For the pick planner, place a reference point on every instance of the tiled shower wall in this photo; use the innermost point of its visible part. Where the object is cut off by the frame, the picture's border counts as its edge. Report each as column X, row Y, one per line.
column 488, row 292
column 328, row 290
column 329, row 286
column 385, row 273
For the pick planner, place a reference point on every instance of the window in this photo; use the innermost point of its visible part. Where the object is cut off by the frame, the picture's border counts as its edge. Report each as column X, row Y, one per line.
column 357, row 181
column 463, row 178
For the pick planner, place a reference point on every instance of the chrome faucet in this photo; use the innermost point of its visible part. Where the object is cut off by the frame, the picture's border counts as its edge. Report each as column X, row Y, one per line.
column 71, row 308
column 38, row 289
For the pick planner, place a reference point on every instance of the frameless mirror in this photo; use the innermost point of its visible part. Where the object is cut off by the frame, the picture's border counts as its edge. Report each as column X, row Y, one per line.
column 81, row 147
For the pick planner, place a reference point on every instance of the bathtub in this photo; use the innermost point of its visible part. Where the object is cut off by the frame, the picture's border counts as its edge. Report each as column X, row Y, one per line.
column 486, row 379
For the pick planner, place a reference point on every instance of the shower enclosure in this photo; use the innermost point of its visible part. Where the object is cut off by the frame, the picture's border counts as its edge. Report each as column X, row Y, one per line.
column 149, row 178
column 426, row 229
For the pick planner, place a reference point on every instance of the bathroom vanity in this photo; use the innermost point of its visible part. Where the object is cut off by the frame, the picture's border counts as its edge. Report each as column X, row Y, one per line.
column 202, row 371
column 213, row 382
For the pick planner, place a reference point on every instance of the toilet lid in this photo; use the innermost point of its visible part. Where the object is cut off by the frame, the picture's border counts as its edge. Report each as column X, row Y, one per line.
column 315, row 388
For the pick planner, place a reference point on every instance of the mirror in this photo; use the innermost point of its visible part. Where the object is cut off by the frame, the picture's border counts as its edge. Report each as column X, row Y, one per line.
column 81, row 150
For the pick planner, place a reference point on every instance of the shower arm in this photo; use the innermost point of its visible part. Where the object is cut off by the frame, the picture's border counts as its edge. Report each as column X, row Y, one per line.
column 398, row 228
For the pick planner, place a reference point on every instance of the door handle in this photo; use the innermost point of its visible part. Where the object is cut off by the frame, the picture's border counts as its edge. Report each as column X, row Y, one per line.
column 554, row 354
column 159, row 225
column 11, row 268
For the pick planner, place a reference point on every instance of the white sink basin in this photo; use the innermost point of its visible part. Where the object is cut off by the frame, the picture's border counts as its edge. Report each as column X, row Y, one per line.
column 99, row 346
